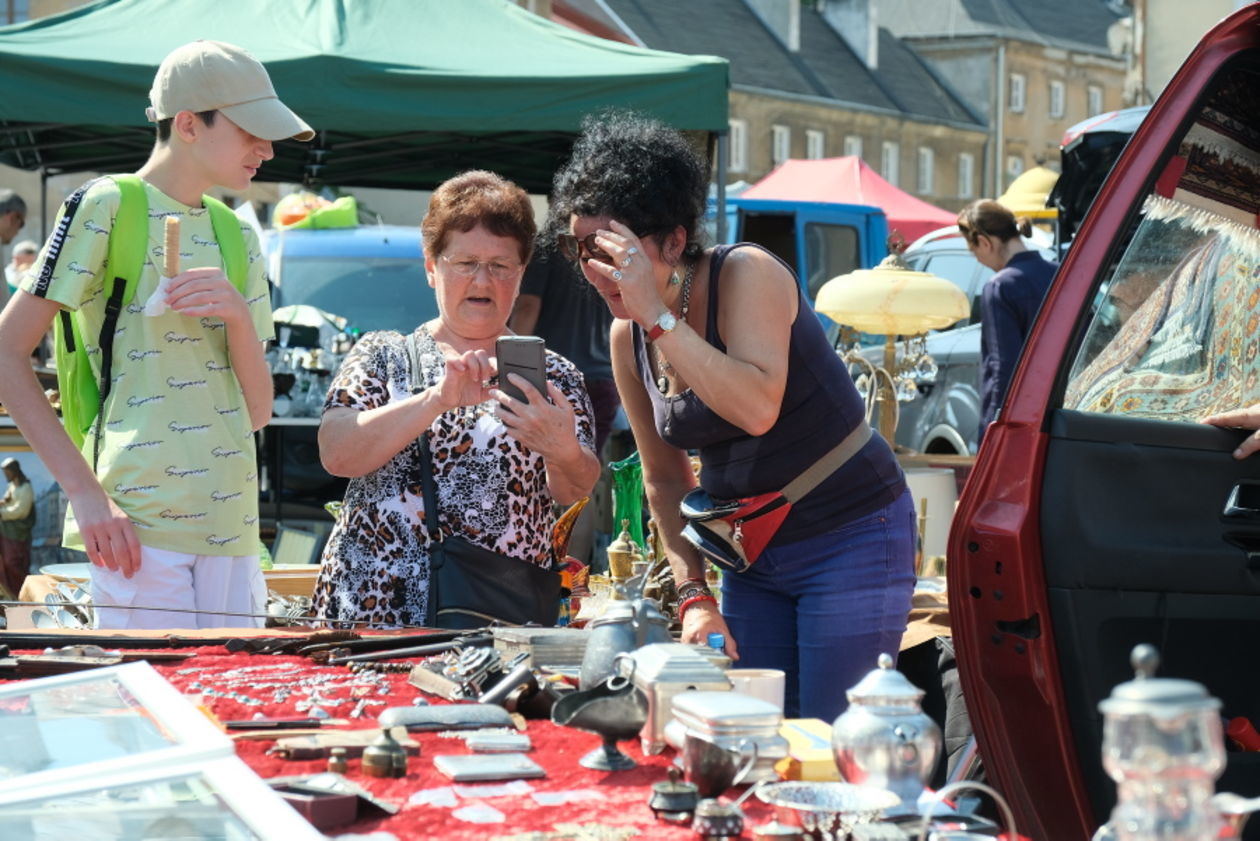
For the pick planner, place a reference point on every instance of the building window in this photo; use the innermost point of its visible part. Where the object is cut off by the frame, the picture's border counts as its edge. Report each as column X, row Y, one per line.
column 853, row 145
column 739, row 145
column 927, row 176
column 1017, row 93
column 1014, row 165
column 15, row 11
column 815, row 144
column 1056, row 100
column 780, row 144
column 1095, row 100
column 889, row 163
column 966, row 175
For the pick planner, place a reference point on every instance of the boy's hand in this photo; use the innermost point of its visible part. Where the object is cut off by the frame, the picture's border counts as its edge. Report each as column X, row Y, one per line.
column 206, row 293
column 108, row 535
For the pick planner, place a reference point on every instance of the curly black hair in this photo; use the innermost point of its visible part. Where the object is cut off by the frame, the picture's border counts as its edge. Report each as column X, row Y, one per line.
column 636, row 170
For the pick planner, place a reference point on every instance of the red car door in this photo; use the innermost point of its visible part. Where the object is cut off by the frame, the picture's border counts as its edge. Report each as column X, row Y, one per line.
column 1101, row 513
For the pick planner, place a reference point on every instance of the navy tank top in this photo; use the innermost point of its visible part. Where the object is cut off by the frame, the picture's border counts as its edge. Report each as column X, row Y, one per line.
column 820, row 407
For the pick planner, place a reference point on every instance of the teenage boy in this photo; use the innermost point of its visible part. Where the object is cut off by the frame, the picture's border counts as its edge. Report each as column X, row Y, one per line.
column 169, row 517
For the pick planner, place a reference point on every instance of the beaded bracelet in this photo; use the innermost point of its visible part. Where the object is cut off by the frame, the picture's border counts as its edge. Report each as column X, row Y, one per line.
column 688, row 589
column 686, row 603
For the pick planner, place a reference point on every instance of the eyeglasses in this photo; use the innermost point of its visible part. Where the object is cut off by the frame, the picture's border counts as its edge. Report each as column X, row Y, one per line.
column 585, row 248
column 466, row 267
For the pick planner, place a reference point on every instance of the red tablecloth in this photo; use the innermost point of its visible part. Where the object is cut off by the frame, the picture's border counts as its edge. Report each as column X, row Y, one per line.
column 619, row 802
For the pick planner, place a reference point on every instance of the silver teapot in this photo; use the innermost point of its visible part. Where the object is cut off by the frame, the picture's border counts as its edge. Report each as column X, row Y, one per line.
column 884, row 739
column 624, row 627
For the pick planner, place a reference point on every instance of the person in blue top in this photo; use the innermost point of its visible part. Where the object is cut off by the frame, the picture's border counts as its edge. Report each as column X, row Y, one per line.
column 1010, row 299
column 715, row 350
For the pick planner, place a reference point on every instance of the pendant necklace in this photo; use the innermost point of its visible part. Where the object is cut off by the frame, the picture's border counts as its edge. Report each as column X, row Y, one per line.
column 662, row 364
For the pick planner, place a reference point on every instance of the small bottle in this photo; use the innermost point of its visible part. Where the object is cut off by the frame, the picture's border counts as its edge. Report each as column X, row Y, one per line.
column 565, row 614
column 337, row 761
column 717, row 642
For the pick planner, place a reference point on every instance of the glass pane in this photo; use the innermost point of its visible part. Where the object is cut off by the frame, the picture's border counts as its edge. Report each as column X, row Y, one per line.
column 73, row 724
column 830, row 250
column 183, row 809
column 1174, row 334
column 964, row 271
column 371, row 293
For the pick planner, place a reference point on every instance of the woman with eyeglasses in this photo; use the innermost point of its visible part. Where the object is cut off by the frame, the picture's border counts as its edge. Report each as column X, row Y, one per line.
column 499, row 463
column 716, row 350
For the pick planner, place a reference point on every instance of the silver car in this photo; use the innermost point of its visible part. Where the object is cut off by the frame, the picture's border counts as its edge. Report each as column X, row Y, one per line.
column 944, row 417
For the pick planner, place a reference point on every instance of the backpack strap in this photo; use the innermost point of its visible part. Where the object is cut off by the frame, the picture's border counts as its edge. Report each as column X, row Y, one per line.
column 227, row 230
column 128, row 240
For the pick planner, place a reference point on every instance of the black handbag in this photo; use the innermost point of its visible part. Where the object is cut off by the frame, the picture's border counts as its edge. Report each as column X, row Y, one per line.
column 471, row 586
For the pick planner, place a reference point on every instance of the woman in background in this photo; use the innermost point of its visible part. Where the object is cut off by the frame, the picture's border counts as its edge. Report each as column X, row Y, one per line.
column 1010, row 299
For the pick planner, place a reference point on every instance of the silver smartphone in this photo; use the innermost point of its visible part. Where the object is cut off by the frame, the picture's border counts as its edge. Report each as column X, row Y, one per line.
column 523, row 355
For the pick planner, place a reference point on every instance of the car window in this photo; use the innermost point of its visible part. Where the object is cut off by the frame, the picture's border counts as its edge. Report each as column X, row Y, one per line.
column 371, row 293
column 830, row 251
column 1174, row 334
column 964, row 271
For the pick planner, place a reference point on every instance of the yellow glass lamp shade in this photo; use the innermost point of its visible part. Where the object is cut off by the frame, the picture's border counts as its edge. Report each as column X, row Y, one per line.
column 1027, row 194
column 892, row 300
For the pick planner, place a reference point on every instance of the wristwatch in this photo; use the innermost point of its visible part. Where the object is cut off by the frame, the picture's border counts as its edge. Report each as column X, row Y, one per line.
column 665, row 322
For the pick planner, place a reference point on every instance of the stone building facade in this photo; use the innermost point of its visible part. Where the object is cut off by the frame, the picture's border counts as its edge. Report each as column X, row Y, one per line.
column 1030, row 70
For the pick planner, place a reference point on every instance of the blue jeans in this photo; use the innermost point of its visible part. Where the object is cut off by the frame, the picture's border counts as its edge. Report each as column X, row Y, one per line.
column 824, row 608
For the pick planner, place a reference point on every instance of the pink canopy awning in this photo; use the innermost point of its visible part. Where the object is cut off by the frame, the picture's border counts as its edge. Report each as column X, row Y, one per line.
column 849, row 180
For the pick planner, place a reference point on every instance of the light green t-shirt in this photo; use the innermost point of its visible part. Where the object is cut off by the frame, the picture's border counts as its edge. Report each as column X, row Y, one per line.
column 177, row 453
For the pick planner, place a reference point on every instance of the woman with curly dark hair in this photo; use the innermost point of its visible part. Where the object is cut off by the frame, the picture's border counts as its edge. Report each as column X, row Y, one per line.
column 716, row 350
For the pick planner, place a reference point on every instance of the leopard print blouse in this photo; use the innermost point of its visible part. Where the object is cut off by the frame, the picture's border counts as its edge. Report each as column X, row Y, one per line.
column 491, row 490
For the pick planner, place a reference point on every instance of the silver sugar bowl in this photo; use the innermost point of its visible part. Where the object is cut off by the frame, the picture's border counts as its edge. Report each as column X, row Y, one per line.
column 884, row 739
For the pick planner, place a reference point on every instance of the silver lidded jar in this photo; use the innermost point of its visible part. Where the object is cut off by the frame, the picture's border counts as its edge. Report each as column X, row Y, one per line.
column 1164, row 747
column 884, row 739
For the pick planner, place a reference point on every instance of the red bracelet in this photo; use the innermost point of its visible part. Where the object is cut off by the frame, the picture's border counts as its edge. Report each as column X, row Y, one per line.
column 703, row 597
column 701, row 581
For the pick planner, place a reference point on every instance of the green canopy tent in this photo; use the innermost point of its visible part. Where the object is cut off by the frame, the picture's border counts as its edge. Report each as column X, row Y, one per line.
column 403, row 93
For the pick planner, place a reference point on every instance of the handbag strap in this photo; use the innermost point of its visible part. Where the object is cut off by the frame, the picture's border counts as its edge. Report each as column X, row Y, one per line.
column 829, row 463
column 428, row 490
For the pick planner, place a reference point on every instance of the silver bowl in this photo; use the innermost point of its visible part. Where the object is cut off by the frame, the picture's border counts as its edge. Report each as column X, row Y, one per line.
column 826, row 810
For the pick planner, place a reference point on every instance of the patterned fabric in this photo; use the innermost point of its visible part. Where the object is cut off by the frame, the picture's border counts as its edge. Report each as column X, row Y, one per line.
column 177, row 453
column 491, row 490
column 1191, row 348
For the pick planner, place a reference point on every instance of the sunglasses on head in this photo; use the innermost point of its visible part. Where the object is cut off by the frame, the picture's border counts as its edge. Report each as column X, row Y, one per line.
column 585, row 248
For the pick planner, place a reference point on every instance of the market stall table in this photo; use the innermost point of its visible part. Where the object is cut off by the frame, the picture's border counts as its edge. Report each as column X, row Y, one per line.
column 607, row 805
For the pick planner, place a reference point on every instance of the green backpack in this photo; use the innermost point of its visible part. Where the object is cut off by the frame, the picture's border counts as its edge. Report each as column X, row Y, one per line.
column 82, row 396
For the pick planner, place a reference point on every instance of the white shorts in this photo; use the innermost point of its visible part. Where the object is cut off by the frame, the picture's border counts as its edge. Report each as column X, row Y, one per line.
column 175, row 582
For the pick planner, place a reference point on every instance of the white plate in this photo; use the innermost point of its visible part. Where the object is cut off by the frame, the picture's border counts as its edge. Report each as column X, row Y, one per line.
column 74, row 572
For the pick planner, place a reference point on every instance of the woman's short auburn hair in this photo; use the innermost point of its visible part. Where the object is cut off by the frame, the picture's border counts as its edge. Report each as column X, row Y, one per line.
column 479, row 197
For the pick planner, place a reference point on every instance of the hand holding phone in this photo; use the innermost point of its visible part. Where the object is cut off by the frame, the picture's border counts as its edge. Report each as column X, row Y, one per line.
column 525, row 356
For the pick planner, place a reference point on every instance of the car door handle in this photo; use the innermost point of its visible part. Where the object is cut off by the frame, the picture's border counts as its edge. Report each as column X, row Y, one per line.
column 1243, row 502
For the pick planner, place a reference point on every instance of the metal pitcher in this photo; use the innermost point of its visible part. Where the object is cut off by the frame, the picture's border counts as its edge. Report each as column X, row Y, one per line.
column 625, row 626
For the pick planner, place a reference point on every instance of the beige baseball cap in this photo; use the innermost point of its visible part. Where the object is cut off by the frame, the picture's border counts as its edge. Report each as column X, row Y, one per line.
column 214, row 76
